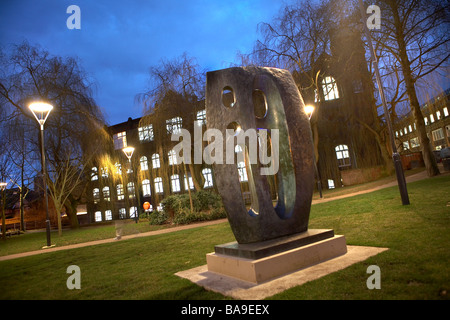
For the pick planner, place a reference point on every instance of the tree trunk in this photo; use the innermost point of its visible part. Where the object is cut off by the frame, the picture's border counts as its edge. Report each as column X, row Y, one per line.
column 428, row 157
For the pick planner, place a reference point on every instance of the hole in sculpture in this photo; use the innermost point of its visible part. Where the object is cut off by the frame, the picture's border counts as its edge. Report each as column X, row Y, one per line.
column 228, row 98
column 259, row 104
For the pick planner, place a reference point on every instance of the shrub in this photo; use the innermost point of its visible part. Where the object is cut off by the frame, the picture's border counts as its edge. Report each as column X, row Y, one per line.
column 207, row 206
column 158, row 217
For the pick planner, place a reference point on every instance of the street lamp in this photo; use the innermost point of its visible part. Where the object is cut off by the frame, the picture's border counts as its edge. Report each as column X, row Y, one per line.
column 41, row 110
column 3, row 187
column 129, row 153
column 309, row 109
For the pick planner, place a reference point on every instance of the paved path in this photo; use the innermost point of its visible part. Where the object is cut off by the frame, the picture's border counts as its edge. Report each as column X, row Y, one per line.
column 415, row 177
column 412, row 178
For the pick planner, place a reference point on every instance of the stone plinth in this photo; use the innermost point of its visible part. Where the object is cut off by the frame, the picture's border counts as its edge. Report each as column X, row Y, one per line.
column 275, row 258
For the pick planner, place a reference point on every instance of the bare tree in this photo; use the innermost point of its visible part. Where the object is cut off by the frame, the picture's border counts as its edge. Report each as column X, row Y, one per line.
column 415, row 33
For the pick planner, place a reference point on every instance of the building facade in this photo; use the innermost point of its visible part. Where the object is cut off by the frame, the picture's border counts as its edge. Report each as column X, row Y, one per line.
column 436, row 113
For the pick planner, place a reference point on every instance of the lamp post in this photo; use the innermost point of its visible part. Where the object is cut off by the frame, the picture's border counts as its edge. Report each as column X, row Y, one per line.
column 41, row 110
column 3, row 187
column 309, row 109
column 401, row 181
column 129, row 153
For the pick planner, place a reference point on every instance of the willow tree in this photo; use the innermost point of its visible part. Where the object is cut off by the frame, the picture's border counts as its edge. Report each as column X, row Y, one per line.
column 31, row 73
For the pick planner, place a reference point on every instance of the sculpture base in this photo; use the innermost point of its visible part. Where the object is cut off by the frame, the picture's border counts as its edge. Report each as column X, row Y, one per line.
column 277, row 264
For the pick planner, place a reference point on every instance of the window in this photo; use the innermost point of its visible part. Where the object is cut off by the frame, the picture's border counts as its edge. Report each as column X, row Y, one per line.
column 104, row 172
column 329, row 87
column 175, row 181
column 342, row 155
column 445, row 111
column 191, row 182
column 396, row 133
column 242, row 172
column 438, row 115
column 146, row 133
column 96, row 195
column 118, row 168
column 431, row 118
column 158, row 185
column 146, row 188
column 119, row 189
column 404, row 129
column 207, row 174
column 122, row 213
column 106, row 194
column 174, row 125
column 144, row 163
column 426, row 120
column 120, row 140
column 155, row 161
column 94, row 174
column 405, row 145
column 438, row 134
column 201, row 117
column 133, row 212
column 415, row 142
column 131, row 190
column 331, row 184
column 98, row 216
column 410, row 128
column 172, row 158
column 108, row 215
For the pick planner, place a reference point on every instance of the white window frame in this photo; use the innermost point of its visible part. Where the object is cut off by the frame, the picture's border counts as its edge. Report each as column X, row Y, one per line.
column 329, row 87
column 146, row 133
column 144, row 163
column 120, row 140
column 207, row 174
column 175, row 183
column 146, row 189
column 156, row 163
column 158, row 185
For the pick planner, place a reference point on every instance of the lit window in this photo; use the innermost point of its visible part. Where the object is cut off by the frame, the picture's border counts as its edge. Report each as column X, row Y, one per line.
column 242, row 171
column 396, row 133
column 445, row 111
column 329, row 87
column 131, row 190
column 438, row 115
column 201, row 117
column 133, row 212
column 108, row 215
column 431, row 118
column 172, row 158
column 410, row 128
column 146, row 133
column 207, row 174
column 104, row 172
column 118, row 168
column 144, row 163
column 98, row 216
column 146, row 188
column 122, row 213
column 405, row 145
column 94, row 174
column 342, row 155
column 426, row 120
column 415, row 142
column 174, row 125
column 438, row 134
column 158, row 185
column 191, row 182
column 106, row 194
column 404, row 129
column 120, row 140
column 96, row 195
column 175, row 180
column 119, row 189
column 330, row 184
column 155, row 161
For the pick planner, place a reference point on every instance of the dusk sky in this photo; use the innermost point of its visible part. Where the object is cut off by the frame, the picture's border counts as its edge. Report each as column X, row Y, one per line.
column 119, row 40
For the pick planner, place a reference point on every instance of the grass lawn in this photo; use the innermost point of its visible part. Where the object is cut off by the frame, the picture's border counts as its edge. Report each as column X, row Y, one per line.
column 416, row 266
